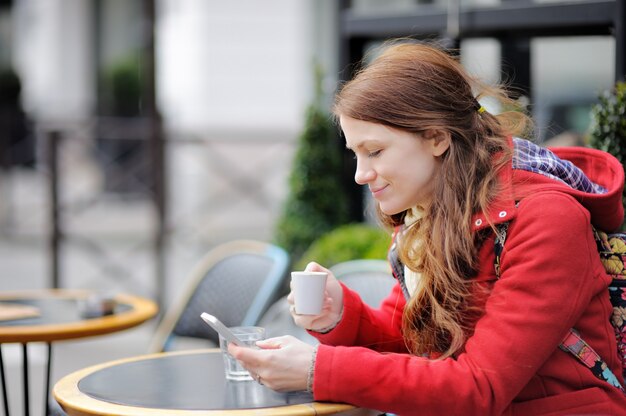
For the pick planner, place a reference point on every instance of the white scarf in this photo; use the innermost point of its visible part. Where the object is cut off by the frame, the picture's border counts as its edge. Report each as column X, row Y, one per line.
column 412, row 278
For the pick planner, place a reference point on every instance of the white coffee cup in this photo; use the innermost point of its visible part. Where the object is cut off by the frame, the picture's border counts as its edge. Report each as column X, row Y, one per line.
column 308, row 289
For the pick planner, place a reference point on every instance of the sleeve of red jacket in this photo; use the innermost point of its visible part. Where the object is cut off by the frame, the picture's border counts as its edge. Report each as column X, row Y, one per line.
column 378, row 329
column 539, row 296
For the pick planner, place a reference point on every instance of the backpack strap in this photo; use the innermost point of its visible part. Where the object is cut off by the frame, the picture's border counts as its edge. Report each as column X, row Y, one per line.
column 572, row 342
column 501, row 230
column 583, row 352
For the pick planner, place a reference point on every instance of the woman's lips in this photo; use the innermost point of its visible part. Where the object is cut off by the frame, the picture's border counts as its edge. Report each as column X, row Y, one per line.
column 377, row 191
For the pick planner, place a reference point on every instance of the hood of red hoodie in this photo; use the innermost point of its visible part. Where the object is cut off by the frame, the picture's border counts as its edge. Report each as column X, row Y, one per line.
column 604, row 202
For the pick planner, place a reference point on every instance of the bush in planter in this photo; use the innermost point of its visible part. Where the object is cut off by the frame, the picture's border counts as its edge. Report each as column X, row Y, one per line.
column 17, row 140
column 607, row 130
column 316, row 202
column 122, row 88
column 348, row 242
column 124, row 159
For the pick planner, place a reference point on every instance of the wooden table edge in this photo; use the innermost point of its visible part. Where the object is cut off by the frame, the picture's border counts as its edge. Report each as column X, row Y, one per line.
column 142, row 310
column 76, row 403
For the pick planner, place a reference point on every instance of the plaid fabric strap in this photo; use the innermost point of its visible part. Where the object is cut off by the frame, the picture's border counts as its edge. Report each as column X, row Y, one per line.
column 583, row 352
column 572, row 343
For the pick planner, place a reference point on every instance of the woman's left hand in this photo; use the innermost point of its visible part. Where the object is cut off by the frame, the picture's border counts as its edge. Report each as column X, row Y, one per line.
column 281, row 363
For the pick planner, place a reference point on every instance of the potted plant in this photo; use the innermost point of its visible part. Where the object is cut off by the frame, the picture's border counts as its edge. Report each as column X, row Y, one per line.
column 607, row 129
column 316, row 202
column 124, row 159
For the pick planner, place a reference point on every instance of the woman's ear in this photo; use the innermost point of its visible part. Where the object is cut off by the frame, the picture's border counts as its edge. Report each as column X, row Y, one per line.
column 439, row 141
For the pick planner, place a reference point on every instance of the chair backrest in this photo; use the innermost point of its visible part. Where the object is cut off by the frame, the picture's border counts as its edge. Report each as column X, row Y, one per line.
column 236, row 281
column 371, row 278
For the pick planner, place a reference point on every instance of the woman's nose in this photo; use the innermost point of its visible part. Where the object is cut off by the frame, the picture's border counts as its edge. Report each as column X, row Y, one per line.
column 364, row 173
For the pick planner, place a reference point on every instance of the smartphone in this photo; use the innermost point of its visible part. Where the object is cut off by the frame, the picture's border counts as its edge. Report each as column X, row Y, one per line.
column 221, row 329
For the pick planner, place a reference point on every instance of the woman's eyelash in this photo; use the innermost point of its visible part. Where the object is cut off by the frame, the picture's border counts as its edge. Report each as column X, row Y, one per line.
column 370, row 154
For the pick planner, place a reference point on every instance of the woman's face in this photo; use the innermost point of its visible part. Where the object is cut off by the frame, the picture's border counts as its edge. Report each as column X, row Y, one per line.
column 397, row 166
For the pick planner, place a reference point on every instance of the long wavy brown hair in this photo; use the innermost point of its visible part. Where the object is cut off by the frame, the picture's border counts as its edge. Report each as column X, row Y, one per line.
column 417, row 87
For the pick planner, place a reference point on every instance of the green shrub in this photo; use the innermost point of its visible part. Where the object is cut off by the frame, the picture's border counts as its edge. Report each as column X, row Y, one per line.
column 348, row 242
column 10, row 88
column 122, row 88
column 607, row 130
column 316, row 202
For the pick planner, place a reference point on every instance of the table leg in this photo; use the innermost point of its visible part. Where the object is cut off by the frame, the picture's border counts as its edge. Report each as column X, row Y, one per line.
column 4, row 385
column 25, row 378
column 47, row 393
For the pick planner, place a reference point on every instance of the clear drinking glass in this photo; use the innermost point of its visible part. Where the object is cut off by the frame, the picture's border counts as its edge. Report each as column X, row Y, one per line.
column 248, row 335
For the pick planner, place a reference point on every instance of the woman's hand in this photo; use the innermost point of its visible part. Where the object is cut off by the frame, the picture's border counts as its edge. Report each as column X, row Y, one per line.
column 282, row 363
column 331, row 310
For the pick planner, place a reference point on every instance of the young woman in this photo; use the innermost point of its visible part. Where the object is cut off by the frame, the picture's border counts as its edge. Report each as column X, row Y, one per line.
column 454, row 337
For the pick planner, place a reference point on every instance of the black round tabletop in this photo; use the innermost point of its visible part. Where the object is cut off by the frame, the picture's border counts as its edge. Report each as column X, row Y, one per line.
column 55, row 311
column 184, row 382
column 63, row 314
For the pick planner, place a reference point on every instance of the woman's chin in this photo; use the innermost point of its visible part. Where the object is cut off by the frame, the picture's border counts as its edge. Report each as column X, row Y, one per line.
column 387, row 210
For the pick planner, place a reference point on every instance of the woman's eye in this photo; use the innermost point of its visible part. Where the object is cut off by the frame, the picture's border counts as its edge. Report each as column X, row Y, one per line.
column 374, row 153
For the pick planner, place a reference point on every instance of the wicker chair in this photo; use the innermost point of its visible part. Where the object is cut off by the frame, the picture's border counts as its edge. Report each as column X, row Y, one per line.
column 236, row 282
column 371, row 278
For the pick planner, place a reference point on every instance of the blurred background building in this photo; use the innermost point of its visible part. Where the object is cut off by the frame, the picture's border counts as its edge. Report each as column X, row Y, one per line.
column 232, row 82
column 137, row 134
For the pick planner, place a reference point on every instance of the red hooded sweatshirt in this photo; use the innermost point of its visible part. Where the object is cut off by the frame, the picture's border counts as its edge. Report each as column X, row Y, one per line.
column 551, row 280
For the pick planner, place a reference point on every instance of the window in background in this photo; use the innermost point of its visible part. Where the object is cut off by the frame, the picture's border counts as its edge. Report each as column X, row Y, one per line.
column 388, row 5
column 568, row 74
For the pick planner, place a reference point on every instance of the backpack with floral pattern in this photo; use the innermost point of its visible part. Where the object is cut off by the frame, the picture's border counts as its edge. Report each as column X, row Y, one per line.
column 612, row 250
